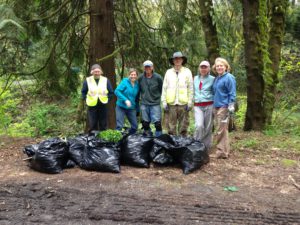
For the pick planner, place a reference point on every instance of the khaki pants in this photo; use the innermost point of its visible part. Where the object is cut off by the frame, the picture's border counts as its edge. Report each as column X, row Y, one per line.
column 178, row 119
column 221, row 136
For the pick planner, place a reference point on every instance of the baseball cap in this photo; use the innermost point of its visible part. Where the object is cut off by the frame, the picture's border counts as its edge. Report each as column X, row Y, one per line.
column 147, row 63
column 205, row 63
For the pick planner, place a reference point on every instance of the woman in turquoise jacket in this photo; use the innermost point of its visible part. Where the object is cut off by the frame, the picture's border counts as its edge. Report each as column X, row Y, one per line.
column 203, row 104
column 127, row 101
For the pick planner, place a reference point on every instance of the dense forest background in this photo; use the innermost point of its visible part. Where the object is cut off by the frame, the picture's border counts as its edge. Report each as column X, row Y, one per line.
column 47, row 47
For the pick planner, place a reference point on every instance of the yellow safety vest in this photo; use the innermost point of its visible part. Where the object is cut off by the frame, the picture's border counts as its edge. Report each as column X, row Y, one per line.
column 96, row 91
column 177, row 87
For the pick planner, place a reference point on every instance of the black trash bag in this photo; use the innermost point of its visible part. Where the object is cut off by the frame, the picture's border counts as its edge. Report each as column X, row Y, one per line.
column 135, row 150
column 159, row 153
column 30, row 150
column 101, row 156
column 51, row 156
column 189, row 153
column 181, row 141
column 193, row 157
column 164, row 158
column 70, row 164
column 77, row 147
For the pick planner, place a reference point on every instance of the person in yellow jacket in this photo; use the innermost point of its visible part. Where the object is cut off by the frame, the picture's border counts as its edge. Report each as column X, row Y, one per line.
column 177, row 95
column 97, row 91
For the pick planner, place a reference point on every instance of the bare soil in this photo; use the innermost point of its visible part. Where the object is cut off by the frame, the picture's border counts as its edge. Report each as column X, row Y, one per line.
column 159, row 195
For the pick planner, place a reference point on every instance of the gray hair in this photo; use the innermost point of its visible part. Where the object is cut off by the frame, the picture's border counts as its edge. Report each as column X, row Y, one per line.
column 96, row 66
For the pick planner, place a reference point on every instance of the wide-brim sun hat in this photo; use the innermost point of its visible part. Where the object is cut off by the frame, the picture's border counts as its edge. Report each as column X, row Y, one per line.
column 178, row 55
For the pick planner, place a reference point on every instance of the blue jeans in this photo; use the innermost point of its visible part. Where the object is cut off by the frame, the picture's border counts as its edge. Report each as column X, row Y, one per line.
column 151, row 114
column 131, row 116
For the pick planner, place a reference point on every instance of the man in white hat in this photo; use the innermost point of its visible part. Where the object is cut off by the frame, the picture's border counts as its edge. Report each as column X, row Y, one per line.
column 150, row 93
column 203, row 104
column 177, row 95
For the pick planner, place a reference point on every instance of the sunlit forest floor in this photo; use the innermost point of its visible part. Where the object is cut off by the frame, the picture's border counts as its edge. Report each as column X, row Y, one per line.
column 258, row 184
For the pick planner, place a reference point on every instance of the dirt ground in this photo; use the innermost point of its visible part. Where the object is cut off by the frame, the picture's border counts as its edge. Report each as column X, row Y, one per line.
column 160, row 195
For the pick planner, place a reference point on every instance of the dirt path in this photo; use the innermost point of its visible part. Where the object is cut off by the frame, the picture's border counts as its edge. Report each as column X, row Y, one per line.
column 150, row 196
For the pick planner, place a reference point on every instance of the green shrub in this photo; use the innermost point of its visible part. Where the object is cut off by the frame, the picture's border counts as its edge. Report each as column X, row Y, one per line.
column 110, row 135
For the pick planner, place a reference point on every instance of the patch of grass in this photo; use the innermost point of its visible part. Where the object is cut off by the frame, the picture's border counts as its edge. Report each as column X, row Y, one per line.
column 260, row 162
column 289, row 162
column 250, row 143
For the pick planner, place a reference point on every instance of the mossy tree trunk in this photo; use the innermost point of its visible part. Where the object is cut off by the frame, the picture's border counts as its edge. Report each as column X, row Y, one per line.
column 255, row 114
column 102, row 44
column 277, row 23
column 263, row 36
column 210, row 30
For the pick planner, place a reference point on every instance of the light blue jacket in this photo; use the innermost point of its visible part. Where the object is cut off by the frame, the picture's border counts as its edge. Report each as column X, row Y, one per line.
column 224, row 90
column 125, row 91
column 206, row 93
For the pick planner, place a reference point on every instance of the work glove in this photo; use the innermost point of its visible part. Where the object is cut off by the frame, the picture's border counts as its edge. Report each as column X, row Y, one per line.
column 166, row 107
column 188, row 108
column 231, row 107
column 128, row 103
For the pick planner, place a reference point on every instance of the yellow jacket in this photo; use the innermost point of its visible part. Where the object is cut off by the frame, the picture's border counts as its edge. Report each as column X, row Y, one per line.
column 178, row 88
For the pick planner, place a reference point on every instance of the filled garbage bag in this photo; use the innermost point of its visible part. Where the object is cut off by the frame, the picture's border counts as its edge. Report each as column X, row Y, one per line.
column 77, row 147
column 30, row 150
column 101, row 156
column 70, row 164
column 189, row 153
column 50, row 156
column 103, row 159
column 159, row 153
column 135, row 150
column 163, row 158
column 193, row 157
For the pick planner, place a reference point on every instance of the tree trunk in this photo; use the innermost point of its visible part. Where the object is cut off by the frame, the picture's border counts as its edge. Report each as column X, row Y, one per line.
column 102, row 44
column 210, row 30
column 277, row 23
column 255, row 115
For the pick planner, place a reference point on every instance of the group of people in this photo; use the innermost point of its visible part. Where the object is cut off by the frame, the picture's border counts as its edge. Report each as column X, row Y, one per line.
column 212, row 99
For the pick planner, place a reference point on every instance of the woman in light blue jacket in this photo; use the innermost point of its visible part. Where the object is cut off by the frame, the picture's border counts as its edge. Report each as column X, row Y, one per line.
column 203, row 104
column 127, row 101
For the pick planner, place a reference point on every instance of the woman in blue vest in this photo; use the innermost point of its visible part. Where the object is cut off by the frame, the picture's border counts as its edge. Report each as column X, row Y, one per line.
column 97, row 91
column 127, row 103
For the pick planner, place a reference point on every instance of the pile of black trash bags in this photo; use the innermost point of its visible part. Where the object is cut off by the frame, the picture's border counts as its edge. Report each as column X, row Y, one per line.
column 91, row 153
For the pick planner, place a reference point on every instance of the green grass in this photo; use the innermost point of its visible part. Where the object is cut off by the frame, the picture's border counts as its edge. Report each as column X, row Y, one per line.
column 289, row 163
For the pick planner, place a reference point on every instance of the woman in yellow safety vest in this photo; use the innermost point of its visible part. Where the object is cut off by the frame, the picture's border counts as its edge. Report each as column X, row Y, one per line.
column 97, row 91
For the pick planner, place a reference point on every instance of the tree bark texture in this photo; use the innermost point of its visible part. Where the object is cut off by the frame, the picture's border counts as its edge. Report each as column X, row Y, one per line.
column 277, row 23
column 255, row 115
column 210, row 30
column 102, row 44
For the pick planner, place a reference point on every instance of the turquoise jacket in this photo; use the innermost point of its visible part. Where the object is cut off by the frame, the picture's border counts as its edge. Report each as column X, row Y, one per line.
column 206, row 93
column 125, row 91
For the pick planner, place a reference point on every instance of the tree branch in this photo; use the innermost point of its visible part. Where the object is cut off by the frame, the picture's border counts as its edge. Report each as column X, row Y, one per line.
column 51, row 15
